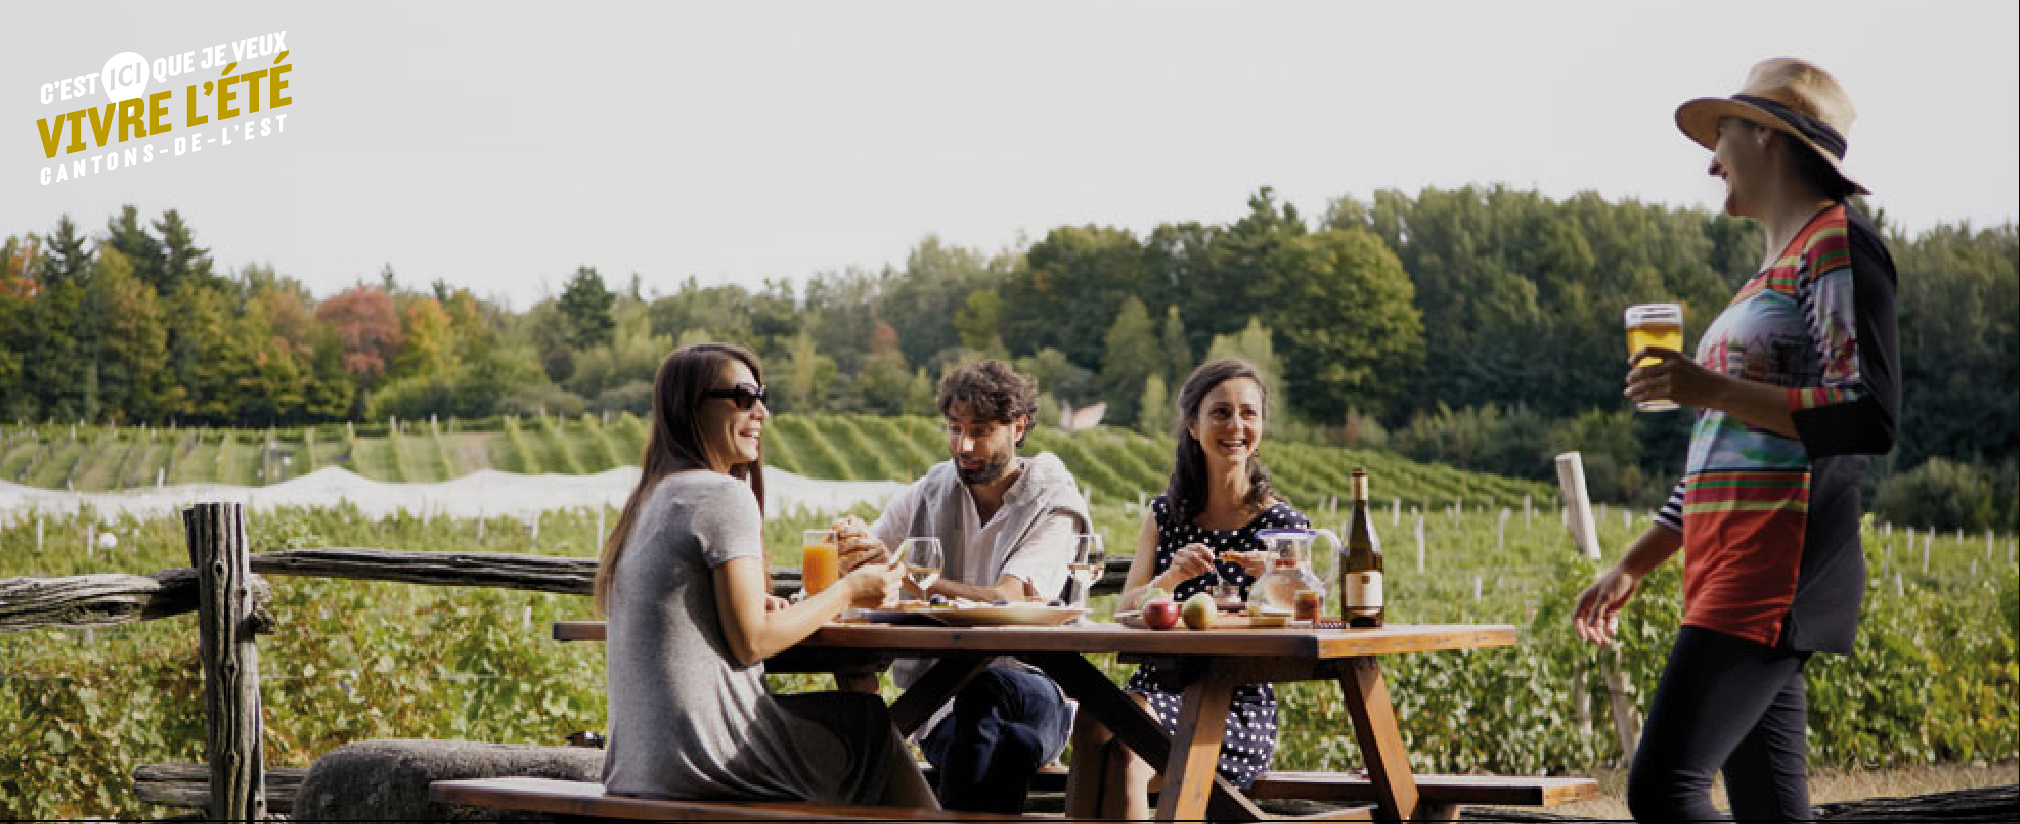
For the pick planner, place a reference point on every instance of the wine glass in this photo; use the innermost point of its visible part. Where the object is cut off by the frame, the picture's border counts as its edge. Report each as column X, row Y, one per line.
column 1087, row 566
column 923, row 562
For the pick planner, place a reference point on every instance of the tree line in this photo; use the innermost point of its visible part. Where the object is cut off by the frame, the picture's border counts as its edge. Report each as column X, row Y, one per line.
column 1479, row 326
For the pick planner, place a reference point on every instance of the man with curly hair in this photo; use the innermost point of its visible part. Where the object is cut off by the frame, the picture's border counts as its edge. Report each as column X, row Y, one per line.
column 1006, row 525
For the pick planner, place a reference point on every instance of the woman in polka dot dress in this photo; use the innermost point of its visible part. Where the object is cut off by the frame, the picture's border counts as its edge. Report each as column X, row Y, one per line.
column 1199, row 533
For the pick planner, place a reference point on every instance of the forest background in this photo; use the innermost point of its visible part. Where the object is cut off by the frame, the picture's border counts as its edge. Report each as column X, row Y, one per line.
column 1480, row 327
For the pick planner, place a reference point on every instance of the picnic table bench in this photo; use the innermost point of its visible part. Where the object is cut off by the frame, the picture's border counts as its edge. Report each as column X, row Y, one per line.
column 1212, row 663
column 586, row 799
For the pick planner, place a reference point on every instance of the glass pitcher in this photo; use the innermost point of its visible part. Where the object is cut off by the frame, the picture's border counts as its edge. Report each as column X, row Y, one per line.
column 1293, row 566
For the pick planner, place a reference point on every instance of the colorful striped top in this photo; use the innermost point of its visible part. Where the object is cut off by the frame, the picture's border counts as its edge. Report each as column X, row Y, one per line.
column 1770, row 523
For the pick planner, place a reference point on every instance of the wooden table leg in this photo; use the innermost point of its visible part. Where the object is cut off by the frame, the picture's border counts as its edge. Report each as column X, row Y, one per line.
column 1381, row 742
column 1195, row 757
column 934, row 689
column 856, row 682
column 1138, row 730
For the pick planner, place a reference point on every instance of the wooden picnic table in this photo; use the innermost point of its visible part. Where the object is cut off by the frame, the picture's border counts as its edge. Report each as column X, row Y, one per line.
column 1209, row 664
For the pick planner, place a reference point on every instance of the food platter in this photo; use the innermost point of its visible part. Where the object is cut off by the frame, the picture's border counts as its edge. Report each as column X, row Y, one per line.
column 976, row 615
column 1008, row 615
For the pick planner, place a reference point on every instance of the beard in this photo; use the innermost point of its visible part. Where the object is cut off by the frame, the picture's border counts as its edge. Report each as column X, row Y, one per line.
column 986, row 473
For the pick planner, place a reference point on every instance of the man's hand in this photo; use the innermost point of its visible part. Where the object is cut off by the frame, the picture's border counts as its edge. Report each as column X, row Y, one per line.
column 856, row 545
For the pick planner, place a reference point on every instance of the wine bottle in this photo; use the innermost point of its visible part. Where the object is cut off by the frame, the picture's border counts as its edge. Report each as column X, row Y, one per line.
column 1361, row 571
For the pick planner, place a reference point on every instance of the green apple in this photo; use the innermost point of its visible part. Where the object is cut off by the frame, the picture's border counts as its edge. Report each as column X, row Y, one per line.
column 1199, row 611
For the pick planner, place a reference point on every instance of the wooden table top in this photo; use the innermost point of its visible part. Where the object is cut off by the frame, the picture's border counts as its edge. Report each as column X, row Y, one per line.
column 1291, row 643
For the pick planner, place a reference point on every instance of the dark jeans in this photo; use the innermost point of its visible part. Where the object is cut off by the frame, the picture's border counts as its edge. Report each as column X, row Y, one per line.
column 1728, row 705
column 1004, row 725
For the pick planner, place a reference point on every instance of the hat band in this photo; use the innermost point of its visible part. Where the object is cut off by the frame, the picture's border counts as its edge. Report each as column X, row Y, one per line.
column 1816, row 130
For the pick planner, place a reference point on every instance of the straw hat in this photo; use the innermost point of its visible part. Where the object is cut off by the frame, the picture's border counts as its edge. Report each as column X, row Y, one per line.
column 1791, row 96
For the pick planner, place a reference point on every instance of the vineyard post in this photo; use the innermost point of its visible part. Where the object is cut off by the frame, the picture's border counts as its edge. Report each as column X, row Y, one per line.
column 1578, row 506
column 1928, row 538
column 1528, row 512
column 1626, row 719
column 1420, row 545
column 215, row 534
column 1585, row 539
column 38, row 531
column 1395, row 512
column 1501, row 530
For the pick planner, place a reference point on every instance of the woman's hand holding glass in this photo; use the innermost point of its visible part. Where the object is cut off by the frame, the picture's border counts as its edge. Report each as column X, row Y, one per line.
column 1670, row 377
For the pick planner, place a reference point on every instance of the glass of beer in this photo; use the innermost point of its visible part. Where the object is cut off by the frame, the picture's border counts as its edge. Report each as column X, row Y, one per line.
column 820, row 561
column 1654, row 324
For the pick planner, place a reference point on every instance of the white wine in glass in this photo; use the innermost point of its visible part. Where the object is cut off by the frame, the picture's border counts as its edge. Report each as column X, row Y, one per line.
column 922, row 562
column 1086, row 567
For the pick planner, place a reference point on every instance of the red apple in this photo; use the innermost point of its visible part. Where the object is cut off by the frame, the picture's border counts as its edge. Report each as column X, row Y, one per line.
column 1160, row 613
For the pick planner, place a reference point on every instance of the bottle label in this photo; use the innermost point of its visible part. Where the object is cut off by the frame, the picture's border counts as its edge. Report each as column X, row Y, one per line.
column 1364, row 590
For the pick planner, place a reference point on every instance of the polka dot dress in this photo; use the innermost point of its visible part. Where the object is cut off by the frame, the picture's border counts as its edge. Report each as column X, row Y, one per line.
column 1251, row 737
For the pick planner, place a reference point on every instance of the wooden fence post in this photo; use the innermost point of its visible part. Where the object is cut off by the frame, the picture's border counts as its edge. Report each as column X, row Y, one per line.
column 217, row 549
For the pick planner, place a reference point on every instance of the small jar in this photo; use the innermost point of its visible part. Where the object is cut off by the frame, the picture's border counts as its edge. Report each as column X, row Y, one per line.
column 1305, row 606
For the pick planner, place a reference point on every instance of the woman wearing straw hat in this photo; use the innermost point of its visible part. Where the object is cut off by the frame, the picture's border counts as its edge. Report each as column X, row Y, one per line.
column 1795, row 382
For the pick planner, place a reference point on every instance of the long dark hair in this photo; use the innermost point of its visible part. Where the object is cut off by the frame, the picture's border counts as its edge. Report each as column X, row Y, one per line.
column 1187, row 492
column 676, row 440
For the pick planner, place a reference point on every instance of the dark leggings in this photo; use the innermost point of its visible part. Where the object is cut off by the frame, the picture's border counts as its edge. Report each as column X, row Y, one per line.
column 1724, row 705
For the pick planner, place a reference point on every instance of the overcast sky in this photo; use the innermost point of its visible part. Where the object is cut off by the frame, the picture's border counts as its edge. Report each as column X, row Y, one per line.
column 500, row 145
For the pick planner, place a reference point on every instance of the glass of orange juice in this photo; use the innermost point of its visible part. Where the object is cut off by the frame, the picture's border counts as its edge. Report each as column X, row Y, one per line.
column 820, row 563
column 1654, row 324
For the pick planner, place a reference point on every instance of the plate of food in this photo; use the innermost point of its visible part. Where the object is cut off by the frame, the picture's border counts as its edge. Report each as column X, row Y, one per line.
column 896, row 616
column 1006, row 615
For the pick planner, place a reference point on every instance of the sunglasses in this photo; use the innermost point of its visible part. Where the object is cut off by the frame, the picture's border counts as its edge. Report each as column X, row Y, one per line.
column 742, row 394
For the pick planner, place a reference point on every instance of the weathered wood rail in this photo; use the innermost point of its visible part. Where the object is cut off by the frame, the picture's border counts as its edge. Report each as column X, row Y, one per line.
column 188, row 785
column 108, row 599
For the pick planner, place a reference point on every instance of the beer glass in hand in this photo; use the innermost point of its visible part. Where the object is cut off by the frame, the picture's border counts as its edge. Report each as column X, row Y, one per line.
column 1659, row 325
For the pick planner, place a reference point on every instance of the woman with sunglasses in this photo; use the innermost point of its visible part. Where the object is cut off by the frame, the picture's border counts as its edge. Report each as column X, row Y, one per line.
column 692, row 620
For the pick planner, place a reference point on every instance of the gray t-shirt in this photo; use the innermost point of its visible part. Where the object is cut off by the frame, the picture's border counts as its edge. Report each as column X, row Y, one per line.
column 685, row 720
